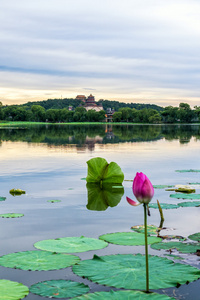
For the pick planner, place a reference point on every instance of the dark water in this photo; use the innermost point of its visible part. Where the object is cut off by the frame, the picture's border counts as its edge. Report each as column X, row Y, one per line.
column 49, row 162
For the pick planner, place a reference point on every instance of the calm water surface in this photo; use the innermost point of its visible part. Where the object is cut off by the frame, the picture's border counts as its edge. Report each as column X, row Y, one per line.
column 49, row 162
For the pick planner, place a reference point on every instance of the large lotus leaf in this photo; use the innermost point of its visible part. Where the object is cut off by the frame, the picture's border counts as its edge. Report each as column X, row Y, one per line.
column 100, row 171
column 163, row 205
column 2, row 198
column 151, row 229
column 59, row 288
column 11, row 215
column 128, row 271
column 185, row 171
column 38, row 260
column 128, row 238
column 100, row 197
column 185, row 196
column 160, row 186
column 11, row 290
column 71, row 244
column 179, row 246
column 189, row 204
column 195, row 237
column 123, row 295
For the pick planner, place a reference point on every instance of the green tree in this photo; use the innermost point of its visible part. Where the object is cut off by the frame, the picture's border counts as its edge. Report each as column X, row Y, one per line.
column 117, row 116
column 185, row 113
column 39, row 114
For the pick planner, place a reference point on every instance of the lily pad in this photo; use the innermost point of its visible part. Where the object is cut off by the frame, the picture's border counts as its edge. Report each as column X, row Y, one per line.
column 11, row 215
column 53, row 201
column 17, row 192
column 163, row 205
column 160, row 186
column 128, row 271
column 123, row 295
column 185, row 196
column 181, row 247
column 38, row 260
column 189, row 204
column 128, row 238
column 71, row 244
column 2, row 198
column 195, row 237
column 59, row 288
column 100, row 171
column 151, row 229
column 12, row 290
column 185, row 171
column 101, row 197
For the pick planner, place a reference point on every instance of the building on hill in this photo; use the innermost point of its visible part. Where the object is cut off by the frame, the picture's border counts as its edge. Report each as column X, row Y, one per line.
column 91, row 104
column 81, row 97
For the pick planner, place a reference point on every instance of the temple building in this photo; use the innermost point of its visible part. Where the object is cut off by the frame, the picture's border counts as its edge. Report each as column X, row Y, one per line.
column 81, row 97
column 89, row 102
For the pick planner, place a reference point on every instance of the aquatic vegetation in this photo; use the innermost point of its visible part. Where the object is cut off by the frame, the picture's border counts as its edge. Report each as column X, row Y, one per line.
column 195, row 237
column 185, row 196
column 128, row 238
column 38, row 260
column 179, row 246
column 163, row 205
column 71, row 244
column 2, row 198
column 12, row 290
column 16, row 192
column 11, row 215
column 59, row 288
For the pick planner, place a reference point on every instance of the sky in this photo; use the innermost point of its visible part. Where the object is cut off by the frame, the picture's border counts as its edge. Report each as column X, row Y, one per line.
column 142, row 51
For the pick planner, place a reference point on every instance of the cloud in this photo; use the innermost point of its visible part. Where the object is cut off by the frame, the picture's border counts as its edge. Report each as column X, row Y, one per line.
column 131, row 49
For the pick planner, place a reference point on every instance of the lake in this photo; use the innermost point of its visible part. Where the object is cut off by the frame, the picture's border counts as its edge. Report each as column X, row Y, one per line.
column 49, row 163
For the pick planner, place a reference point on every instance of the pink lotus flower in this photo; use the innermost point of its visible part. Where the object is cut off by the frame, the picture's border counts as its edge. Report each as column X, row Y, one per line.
column 142, row 189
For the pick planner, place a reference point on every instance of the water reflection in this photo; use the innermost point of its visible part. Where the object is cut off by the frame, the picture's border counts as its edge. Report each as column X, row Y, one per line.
column 84, row 137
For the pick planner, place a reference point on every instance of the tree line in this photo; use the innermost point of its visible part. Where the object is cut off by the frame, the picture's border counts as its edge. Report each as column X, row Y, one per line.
column 38, row 113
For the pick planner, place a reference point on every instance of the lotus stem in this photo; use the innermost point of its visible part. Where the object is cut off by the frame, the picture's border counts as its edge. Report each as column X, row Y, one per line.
column 146, row 248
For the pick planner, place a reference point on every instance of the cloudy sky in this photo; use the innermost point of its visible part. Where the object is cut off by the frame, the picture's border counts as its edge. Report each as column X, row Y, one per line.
column 144, row 51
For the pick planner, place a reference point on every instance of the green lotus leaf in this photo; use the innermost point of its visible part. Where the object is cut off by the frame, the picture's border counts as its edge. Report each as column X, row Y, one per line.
column 38, row 260
column 71, row 244
column 195, row 237
column 128, row 238
column 185, row 171
column 100, row 171
column 179, row 246
column 16, row 192
column 151, row 229
column 12, row 290
column 185, row 190
column 123, row 295
column 59, row 288
column 53, row 201
column 128, row 271
column 160, row 186
column 2, row 198
column 185, row 196
column 101, row 197
column 194, row 183
column 163, row 205
column 11, row 215
column 189, row 204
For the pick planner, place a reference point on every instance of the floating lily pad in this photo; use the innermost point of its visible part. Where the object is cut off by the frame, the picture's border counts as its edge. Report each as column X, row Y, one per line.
column 194, row 183
column 59, row 288
column 151, row 229
column 100, row 171
column 195, row 237
column 71, row 244
column 190, row 204
column 38, row 260
column 101, row 197
column 185, row 190
column 123, row 295
column 2, row 198
column 17, row 192
column 163, row 205
column 160, row 186
column 185, row 171
column 12, row 290
column 185, row 196
column 181, row 247
column 128, row 271
column 53, row 201
column 11, row 215
column 128, row 238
